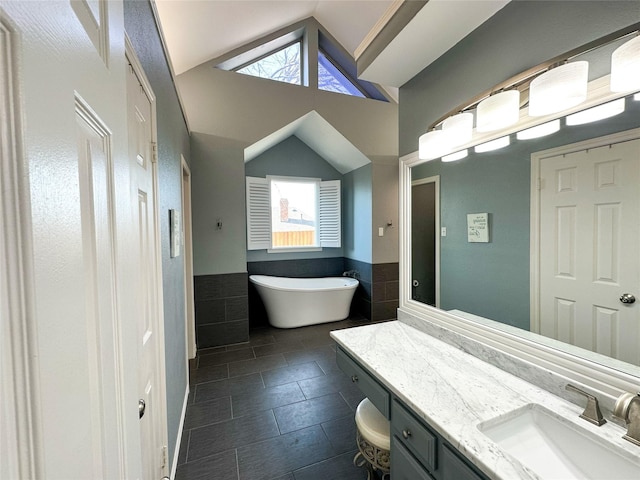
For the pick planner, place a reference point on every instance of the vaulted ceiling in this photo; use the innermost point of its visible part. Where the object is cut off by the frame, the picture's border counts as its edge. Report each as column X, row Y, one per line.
column 196, row 31
column 392, row 40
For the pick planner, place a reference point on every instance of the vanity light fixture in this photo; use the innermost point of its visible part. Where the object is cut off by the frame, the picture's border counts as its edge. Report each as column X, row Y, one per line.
column 636, row 97
column 539, row 131
column 558, row 89
column 557, row 84
column 625, row 66
column 456, row 156
column 493, row 145
column 498, row 111
column 433, row 144
column 600, row 112
column 459, row 128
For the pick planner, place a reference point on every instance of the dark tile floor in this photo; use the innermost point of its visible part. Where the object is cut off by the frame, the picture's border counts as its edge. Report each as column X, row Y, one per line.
column 276, row 408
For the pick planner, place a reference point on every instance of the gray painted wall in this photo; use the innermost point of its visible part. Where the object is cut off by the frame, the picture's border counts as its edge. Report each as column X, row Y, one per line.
column 173, row 141
column 385, row 177
column 519, row 36
column 217, row 192
column 357, row 207
column 239, row 110
column 292, row 158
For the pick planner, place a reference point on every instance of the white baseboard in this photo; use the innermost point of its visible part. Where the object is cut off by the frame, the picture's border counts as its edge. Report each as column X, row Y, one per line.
column 176, row 453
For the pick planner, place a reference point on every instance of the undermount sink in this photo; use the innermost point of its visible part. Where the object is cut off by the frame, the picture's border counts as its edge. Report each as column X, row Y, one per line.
column 554, row 448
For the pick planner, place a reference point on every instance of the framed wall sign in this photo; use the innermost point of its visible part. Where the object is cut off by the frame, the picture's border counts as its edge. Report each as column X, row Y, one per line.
column 478, row 227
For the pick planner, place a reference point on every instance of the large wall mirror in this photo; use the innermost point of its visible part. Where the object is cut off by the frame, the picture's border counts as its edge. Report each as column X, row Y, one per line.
column 487, row 244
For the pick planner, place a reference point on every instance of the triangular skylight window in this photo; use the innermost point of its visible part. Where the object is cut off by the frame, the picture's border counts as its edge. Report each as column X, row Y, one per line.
column 331, row 79
column 289, row 56
column 283, row 66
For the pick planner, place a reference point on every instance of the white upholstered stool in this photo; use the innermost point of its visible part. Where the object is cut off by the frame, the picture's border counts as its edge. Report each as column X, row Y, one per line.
column 373, row 439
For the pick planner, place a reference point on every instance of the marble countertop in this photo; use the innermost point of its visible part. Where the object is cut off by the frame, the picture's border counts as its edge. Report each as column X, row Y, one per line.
column 454, row 392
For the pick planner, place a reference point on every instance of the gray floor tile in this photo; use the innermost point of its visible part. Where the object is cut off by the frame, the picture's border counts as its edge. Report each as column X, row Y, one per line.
column 336, row 468
column 268, row 362
column 326, row 384
column 305, row 355
column 208, row 374
column 341, row 433
column 225, row 357
column 222, row 466
column 293, row 373
column 283, row 454
column 268, row 398
column 209, row 440
column 278, row 347
column 206, row 413
column 311, row 412
column 230, row 386
column 315, row 433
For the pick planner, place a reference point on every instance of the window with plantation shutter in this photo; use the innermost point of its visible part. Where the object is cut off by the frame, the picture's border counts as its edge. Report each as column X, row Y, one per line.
column 275, row 221
column 258, row 214
column 329, row 213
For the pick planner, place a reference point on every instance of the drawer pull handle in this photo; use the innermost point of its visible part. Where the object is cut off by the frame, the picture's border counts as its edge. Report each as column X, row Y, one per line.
column 406, row 433
column 354, row 378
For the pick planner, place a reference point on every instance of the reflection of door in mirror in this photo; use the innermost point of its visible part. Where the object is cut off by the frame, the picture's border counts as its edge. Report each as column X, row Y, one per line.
column 589, row 236
column 424, row 225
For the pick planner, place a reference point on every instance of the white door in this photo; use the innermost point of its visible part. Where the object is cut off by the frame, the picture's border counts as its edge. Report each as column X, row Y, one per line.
column 62, row 70
column 149, row 315
column 589, row 249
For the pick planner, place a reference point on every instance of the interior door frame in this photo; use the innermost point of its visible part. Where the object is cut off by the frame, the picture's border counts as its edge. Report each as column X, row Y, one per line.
column 133, row 60
column 187, row 241
column 435, row 180
column 535, row 254
column 20, row 440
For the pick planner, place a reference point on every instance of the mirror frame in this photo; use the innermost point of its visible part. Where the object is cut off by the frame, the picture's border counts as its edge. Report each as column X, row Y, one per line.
column 563, row 359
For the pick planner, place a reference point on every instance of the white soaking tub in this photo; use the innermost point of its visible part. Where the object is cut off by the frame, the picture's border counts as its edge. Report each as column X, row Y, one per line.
column 297, row 302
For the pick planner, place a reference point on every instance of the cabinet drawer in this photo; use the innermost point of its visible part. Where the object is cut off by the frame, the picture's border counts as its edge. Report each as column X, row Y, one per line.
column 414, row 435
column 375, row 392
column 404, row 466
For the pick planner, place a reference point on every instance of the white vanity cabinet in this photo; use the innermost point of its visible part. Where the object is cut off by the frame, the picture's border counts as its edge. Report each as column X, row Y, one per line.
column 417, row 451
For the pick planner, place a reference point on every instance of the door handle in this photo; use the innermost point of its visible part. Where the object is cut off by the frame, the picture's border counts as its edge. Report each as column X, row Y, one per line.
column 142, row 406
column 627, row 298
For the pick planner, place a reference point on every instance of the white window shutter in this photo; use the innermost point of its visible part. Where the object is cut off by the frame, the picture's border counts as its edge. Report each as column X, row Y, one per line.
column 330, row 214
column 258, row 214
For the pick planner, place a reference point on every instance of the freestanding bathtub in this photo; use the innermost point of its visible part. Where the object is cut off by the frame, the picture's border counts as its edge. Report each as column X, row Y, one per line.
column 297, row 302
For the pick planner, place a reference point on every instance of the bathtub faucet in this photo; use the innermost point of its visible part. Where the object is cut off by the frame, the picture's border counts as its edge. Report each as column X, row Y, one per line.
column 351, row 273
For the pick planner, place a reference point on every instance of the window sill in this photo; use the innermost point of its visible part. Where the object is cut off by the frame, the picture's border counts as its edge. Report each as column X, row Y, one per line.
column 294, row 250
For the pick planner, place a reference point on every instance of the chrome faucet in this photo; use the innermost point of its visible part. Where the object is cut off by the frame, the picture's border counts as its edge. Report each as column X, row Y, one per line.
column 627, row 408
column 592, row 411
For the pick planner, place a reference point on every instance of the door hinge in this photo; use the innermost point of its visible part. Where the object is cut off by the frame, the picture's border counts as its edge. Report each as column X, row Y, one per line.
column 154, row 152
column 165, row 457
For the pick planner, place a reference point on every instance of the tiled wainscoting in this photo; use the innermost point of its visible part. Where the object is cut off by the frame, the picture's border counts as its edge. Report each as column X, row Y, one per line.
column 222, row 309
column 377, row 297
column 227, row 304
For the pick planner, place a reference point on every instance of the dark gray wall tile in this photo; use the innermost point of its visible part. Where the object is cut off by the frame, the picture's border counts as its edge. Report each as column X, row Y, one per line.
column 225, row 333
column 210, row 311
